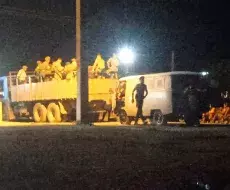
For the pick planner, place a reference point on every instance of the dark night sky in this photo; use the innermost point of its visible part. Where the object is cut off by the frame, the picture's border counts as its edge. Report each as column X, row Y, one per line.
column 198, row 31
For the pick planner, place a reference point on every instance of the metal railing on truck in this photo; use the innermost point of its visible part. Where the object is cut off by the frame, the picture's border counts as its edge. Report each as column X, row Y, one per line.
column 31, row 77
column 12, row 78
column 35, row 89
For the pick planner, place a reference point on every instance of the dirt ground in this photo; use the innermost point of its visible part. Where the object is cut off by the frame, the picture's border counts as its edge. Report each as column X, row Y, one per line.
column 107, row 158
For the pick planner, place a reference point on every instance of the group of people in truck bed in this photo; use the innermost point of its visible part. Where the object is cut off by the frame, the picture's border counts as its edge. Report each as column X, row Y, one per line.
column 102, row 70
column 220, row 114
column 47, row 70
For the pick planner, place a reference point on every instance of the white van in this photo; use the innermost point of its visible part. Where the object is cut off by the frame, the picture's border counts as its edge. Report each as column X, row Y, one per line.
column 163, row 103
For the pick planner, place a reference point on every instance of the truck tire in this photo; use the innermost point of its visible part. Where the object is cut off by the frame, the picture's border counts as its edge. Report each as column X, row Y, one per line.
column 53, row 113
column 123, row 117
column 39, row 112
column 158, row 118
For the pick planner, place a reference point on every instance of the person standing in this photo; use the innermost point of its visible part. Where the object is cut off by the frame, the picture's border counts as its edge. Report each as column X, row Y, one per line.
column 141, row 93
column 21, row 75
column 192, row 110
column 112, row 65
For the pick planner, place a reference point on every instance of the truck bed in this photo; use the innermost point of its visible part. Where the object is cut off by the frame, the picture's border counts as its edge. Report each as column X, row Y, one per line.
column 61, row 90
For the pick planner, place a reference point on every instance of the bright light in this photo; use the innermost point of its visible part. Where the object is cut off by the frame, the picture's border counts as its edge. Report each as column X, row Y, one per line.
column 126, row 55
column 204, row 73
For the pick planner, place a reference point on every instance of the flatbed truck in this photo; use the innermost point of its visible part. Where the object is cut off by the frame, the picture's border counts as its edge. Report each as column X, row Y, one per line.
column 55, row 100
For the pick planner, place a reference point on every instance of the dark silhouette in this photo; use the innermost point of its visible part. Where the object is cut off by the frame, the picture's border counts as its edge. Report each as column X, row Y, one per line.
column 141, row 93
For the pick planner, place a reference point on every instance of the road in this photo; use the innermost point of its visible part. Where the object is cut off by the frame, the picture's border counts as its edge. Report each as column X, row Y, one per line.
column 84, row 157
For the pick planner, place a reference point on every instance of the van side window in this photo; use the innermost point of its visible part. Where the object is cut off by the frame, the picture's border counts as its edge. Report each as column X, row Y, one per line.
column 160, row 83
column 168, row 82
column 150, row 83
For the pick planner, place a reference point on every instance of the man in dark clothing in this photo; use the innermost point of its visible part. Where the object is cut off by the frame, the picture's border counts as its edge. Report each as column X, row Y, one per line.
column 193, row 105
column 141, row 93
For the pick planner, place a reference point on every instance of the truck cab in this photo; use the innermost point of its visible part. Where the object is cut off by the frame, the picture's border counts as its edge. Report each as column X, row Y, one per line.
column 4, row 91
column 7, row 111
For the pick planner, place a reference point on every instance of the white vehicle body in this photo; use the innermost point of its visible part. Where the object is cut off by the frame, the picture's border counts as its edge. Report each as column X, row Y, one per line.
column 163, row 92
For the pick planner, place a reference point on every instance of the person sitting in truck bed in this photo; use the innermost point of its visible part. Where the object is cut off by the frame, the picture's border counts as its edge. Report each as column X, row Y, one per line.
column 38, row 70
column 70, row 69
column 221, row 114
column 46, row 69
column 58, row 69
column 226, row 116
column 208, row 116
column 112, row 65
column 98, row 66
column 67, row 71
column 225, row 113
column 75, row 64
column 21, row 75
column 43, row 69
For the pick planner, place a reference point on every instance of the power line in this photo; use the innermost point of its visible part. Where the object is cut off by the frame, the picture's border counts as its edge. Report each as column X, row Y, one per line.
column 34, row 14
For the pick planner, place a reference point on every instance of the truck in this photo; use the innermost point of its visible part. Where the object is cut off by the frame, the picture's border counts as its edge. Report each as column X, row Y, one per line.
column 165, row 99
column 55, row 100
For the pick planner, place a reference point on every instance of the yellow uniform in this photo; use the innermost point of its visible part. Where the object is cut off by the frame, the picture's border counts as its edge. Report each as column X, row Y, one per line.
column 58, row 69
column 99, row 65
column 70, row 69
column 45, row 68
column 21, row 75
column 112, row 64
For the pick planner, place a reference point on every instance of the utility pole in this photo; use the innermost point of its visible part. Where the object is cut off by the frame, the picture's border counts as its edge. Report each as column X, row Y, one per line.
column 82, row 73
column 173, row 61
column 78, row 57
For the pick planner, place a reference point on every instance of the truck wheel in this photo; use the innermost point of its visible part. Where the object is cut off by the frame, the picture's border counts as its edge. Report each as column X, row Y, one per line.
column 158, row 118
column 123, row 117
column 39, row 112
column 53, row 113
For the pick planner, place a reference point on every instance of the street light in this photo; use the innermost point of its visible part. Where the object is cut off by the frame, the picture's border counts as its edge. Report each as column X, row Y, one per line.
column 126, row 56
column 204, row 73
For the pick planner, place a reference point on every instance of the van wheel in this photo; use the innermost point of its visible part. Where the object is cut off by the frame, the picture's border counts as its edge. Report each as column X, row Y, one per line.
column 124, row 119
column 53, row 113
column 158, row 118
column 39, row 112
